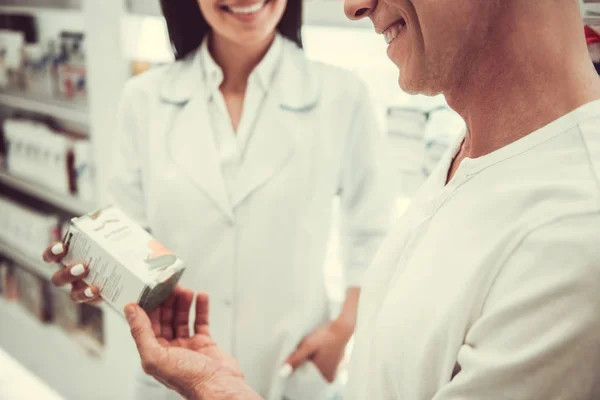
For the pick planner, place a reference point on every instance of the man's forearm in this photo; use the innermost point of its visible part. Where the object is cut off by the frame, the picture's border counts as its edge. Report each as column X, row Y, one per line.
column 232, row 389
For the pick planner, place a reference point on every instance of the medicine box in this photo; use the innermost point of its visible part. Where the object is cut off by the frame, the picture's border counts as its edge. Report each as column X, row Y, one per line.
column 125, row 262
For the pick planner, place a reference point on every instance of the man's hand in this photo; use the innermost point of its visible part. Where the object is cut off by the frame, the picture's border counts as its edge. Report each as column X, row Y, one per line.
column 192, row 365
column 325, row 347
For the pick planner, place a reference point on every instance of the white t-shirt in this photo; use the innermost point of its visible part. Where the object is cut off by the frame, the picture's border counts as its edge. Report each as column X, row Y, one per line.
column 489, row 287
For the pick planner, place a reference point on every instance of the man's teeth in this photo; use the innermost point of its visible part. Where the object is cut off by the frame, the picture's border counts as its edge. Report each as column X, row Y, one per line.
column 393, row 31
column 247, row 10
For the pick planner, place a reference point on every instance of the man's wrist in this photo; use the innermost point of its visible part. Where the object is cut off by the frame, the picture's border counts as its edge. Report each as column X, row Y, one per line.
column 232, row 389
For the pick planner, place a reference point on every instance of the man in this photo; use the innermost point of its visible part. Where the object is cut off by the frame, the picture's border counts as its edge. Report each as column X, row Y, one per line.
column 489, row 287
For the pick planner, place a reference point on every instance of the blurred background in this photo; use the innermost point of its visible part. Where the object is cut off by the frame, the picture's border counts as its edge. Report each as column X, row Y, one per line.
column 63, row 64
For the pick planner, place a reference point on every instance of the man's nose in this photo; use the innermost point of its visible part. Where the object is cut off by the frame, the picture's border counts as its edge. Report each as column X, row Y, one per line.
column 358, row 9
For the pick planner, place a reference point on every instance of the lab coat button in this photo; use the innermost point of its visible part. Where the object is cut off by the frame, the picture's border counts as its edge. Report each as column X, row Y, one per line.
column 228, row 303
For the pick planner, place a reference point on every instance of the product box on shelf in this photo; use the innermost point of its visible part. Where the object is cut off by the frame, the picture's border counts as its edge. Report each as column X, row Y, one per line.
column 125, row 262
column 444, row 128
column 420, row 132
column 37, row 153
column 62, row 162
column 65, row 311
column 38, row 70
column 8, row 281
column 17, row 33
column 34, row 294
column 92, row 322
column 90, row 332
column 11, row 57
column 49, row 67
column 84, row 322
column 25, row 229
column 3, row 272
column 84, row 171
column 70, row 66
column 406, row 129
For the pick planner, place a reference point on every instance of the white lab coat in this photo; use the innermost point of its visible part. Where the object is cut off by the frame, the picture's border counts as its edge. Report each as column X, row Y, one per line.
column 259, row 254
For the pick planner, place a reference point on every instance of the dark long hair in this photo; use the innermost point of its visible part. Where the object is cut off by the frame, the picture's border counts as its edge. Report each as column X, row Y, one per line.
column 187, row 26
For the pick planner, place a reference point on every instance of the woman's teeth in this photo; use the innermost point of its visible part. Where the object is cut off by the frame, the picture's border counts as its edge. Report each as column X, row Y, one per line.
column 248, row 9
column 393, row 31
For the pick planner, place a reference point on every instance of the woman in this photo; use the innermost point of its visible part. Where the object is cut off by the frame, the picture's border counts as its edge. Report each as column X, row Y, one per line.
column 231, row 157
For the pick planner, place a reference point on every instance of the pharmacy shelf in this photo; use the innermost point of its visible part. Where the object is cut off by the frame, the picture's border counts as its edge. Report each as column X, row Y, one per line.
column 63, row 110
column 330, row 13
column 38, row 267
column 591, row 13
column 33, row 264
column 316, row 12
column 54, row 4
column 144, row 7
column 66, row 203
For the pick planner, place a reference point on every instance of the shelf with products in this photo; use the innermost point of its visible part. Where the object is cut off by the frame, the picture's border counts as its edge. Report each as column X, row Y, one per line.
column 46, row 4
column 331, row 13
column 70, row 204
column 35, row 265
column 13, row 312
column 144, row 7
column 57, row 357
column 25, row 280
column 71, row 111
column 43, row 67
column 591, row 12
column 48, row 350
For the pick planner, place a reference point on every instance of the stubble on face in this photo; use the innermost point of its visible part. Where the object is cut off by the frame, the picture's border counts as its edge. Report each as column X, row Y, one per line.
column 448, row 40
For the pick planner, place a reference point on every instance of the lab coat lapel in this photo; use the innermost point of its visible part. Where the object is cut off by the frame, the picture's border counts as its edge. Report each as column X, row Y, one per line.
column 191, row 140
column 295, row 91
column 267, row 151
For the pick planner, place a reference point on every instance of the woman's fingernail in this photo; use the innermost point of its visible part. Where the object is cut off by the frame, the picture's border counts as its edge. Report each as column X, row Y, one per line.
column 286, row 371
column 89, row 293
column 78, row 270
column 57, row 249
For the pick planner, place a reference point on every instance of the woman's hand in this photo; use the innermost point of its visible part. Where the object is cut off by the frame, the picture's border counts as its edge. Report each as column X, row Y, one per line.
column 325, row 347
column 192, row 365
column 72, row 274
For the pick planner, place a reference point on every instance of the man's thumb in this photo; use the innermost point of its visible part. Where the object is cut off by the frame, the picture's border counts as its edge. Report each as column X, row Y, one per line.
column 141, row 328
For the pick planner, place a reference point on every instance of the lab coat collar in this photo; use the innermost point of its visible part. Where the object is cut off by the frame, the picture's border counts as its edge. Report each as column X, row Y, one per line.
column 298, row 88
column 295, row 90
column 263, row 74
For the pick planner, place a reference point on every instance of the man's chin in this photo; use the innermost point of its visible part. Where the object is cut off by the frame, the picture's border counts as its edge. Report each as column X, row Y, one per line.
column 414, row 85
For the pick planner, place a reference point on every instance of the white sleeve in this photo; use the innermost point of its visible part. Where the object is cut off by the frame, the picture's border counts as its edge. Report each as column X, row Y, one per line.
column 366, row 191
column 125, row 182
column 538, row 336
